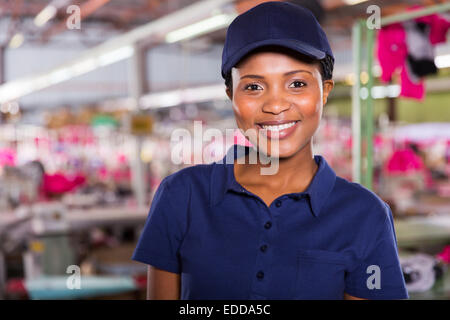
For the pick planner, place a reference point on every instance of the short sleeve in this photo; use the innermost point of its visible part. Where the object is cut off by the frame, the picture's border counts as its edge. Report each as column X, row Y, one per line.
column 378, row 275
column 161, row 237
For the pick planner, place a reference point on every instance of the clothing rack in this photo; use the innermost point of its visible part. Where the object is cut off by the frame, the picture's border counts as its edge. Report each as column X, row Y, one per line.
column 362, row 99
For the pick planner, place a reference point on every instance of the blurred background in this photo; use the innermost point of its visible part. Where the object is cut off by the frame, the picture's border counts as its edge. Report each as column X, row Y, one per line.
column 91, row 91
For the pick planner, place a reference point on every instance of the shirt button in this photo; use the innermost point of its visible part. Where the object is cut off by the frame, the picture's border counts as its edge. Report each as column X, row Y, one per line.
column 278, row 203
column 268, row 225
column 263, row 248
column 260, row 275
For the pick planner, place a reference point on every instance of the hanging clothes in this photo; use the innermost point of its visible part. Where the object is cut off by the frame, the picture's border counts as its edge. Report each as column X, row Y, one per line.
column 391, row 49
column 409, row 47
column 439, row 25
column 421, row 55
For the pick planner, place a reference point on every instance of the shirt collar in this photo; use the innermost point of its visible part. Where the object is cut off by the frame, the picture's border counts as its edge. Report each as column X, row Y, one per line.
column 222, row 180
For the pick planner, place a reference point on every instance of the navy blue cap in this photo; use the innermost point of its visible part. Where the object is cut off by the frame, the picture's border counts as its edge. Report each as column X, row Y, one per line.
column 274, row 23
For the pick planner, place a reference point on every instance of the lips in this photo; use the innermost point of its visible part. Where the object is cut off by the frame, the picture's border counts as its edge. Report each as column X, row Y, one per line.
column 282, row 128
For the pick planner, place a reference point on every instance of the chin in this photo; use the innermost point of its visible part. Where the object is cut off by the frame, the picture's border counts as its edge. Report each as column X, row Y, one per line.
column 285, row 150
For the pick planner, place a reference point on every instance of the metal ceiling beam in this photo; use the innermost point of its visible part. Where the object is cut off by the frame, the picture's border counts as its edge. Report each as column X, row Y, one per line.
column 113, row 49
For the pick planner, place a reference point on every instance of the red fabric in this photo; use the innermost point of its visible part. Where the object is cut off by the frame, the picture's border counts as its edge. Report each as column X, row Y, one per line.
column 16, row 286
column 140, row 281
column 404, row 161
column 445, row 254
column 438, row 26
column 409, row 88
column 7, row 157
column 391, row 49
column 122, row 174
column 58, row 183
column 439, row 29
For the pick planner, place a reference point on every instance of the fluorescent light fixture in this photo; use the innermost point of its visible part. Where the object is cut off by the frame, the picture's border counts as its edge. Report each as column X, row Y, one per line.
column 15, row 89
column 353, row 2
column 442, row 61
column 16, row 41
column 59, row 76
column 189, row 95
column 83, row 67
column 391, row 91
column 45, row 15
column 163, row 99
column 115, row 56
column 380, row 92
column 204, row 26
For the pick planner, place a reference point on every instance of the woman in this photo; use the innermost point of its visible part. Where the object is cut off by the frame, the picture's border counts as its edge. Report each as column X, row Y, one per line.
column 226, row 231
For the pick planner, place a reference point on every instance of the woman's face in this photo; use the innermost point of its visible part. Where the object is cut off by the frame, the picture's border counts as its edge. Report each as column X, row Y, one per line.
column 284, row 95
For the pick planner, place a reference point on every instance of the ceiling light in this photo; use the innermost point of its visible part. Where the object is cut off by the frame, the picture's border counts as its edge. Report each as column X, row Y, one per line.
column 115, row 56
column 16, row 41
column 45, row 15
column 204, row 26
column 442, row 61
column 188, row 95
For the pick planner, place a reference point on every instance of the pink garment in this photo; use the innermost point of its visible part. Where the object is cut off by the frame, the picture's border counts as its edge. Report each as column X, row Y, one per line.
column 445, row 254
column 409, row 88
column 439, row 26
column 58, row 183
column 7, row 157
column 122, row 174
column 404, row 161
column 391, row 49
column 439, row 29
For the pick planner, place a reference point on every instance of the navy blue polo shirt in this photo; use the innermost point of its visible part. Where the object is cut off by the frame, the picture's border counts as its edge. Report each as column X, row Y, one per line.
column 334, row 237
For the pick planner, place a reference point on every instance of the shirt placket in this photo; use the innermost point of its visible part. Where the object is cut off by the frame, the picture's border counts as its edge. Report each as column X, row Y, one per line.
column 264, row 259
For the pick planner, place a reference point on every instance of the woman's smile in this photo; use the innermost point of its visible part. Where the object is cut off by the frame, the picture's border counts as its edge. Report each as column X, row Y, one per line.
column 278, row 128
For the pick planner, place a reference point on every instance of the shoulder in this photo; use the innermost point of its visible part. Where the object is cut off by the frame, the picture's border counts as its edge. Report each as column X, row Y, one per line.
column 196, row 176
column 360, row 200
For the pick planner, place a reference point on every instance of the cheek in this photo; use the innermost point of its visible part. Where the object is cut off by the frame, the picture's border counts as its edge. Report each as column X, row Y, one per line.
column 310, row 105
column 245, row 111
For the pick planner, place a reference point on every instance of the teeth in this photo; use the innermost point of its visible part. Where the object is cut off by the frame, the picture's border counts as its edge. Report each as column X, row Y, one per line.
column 279, row 127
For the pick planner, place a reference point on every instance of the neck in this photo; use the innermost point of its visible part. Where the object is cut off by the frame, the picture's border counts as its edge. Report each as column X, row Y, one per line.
column 294, row 173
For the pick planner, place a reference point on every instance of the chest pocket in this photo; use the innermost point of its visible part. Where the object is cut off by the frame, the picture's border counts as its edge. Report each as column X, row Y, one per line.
column 320, row 274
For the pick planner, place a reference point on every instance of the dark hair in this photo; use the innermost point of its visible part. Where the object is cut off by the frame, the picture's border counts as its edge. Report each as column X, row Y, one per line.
column 326, row 70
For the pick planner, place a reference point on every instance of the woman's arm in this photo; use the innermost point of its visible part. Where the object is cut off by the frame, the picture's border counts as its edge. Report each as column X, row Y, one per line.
column 162, row 285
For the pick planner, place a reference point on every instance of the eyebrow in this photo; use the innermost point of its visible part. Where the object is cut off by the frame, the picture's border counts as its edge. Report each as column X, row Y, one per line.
column 254, row 76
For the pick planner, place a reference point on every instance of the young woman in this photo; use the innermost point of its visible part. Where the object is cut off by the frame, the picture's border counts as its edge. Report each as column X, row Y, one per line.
column 226, row 231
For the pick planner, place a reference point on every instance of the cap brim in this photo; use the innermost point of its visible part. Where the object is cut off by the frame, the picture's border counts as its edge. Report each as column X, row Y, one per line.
column 293, row 44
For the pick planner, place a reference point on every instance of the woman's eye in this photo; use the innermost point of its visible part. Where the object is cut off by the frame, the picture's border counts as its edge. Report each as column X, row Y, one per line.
column 298, row 84
column 252, row 87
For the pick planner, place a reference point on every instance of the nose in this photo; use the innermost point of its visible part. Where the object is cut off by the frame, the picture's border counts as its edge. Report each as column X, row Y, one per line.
column 276, row 103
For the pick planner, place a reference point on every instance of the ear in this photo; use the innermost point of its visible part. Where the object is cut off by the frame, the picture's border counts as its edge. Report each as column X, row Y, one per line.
column 328, row 85
column 229, row 93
